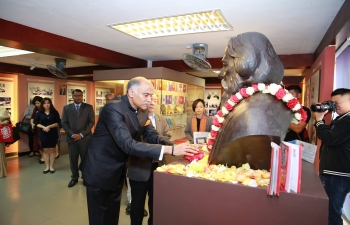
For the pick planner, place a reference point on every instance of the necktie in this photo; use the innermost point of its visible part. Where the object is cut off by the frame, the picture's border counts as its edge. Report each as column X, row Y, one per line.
column 77, row 106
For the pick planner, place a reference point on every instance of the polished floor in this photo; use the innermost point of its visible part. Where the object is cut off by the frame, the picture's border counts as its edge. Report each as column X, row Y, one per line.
column 29, row 197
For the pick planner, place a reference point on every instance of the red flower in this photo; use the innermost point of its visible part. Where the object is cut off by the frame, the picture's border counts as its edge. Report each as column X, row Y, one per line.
column 210, row 141
column 216, row 122
column 234, row 99
column 292, row 103
column 303, row 114
column 255, row 86
column 243, row 92
column 220, row 113
column 280, row 93
column 213, row 133
column 228, row 106
column 198, row 156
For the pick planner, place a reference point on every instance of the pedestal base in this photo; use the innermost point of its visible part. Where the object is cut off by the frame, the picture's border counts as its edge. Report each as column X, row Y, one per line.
column 183, row 200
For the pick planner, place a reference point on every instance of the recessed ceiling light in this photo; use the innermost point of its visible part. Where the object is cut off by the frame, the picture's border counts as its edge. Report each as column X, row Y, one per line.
column 5, row 51
column 199, row 22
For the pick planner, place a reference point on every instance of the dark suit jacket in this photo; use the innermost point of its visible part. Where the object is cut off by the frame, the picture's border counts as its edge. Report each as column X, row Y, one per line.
column 113, row 140
column 74, row 124
column 139, row 169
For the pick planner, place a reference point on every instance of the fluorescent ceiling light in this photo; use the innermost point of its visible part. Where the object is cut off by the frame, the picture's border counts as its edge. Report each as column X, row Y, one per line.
column 5, row 51
column 200, row 22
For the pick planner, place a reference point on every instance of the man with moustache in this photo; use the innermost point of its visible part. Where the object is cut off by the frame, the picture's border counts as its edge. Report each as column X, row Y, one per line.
column 140, row 171
column 117, row 135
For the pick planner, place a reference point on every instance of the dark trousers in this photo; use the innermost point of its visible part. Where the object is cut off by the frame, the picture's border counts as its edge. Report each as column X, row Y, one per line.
column 336, row 187
column 75, row 149
column 103, row 205
column 30, row 140
column 139, row 189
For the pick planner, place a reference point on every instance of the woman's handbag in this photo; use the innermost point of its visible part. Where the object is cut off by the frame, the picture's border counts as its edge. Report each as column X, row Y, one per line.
column 6, row 133
column 16, row 137
column 24, row 127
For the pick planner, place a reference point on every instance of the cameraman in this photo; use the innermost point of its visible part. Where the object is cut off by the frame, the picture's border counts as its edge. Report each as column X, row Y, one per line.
column 298, row 131
column 335, row 154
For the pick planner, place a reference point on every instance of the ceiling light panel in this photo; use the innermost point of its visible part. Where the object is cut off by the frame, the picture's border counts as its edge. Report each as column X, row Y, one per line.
column 200, row 22
column 5, row 52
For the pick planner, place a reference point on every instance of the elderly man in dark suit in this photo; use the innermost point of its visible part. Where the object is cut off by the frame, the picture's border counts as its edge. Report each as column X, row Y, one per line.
column 140, row 171
column 77, row 120
column 117, row 135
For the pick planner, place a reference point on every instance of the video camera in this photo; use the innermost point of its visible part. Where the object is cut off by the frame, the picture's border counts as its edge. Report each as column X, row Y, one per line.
column 324, row 106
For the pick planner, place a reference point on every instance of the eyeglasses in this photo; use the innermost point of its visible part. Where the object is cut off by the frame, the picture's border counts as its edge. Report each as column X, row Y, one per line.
column 78, row 95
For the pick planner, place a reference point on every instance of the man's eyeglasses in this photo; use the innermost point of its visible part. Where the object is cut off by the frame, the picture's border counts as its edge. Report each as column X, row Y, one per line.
column 78, row 95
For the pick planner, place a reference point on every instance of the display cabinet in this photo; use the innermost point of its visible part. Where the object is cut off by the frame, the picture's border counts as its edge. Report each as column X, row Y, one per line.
column 176, row 92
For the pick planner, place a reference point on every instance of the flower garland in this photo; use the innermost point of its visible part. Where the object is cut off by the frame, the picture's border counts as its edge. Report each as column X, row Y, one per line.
column 276, row 90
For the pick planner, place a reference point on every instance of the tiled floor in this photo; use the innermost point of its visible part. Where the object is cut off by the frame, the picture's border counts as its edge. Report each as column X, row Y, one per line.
column 29, row 197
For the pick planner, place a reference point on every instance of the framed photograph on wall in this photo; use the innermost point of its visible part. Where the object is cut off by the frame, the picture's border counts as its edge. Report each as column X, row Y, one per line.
column 6, row 96
column 212, row 100
column 44, row 90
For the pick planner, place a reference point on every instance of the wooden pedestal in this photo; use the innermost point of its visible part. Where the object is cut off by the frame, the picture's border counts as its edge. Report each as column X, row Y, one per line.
column 183, row 200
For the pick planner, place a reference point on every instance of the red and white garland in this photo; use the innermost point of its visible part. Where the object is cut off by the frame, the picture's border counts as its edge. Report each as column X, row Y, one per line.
column 274, row 89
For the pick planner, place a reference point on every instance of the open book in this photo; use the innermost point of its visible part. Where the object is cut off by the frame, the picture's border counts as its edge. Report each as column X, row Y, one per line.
column 200, row 137
column 285, row 171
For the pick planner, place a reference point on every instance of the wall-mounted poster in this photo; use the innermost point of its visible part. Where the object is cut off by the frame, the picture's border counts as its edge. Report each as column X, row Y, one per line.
column 6, row 96
column 70, row 90
column 44, row 90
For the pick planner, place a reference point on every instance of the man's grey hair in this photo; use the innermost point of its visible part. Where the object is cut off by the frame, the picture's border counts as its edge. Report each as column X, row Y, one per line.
column 135, row 82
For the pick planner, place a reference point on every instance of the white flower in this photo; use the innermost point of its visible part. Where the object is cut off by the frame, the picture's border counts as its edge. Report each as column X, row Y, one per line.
column 273, row 88
column 220, row 119
column 239, row 96
column 250, row 90
column 215, row 128
column 296, row 107
column 287, row 97
column 261, row 86
column 224, row 110
column 297, row 116
column 231, row 102
column 295, row 121
column 266, row 91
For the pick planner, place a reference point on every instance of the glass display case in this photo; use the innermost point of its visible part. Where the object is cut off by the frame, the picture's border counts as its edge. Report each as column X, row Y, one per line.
column 176, row 92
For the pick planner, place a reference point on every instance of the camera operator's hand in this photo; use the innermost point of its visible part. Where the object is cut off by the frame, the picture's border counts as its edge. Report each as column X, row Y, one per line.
column 319, row 115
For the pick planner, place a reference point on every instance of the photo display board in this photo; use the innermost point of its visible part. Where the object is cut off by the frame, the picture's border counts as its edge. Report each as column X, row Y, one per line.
column 6, row 96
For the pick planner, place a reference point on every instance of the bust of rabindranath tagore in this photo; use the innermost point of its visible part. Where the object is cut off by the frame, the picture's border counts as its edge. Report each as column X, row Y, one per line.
column 247, row 131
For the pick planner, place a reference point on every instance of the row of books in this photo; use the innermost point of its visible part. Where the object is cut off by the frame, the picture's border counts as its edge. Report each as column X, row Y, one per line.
column 169, row 85
column 172, row 124
column 170, row 99
column 285, row 171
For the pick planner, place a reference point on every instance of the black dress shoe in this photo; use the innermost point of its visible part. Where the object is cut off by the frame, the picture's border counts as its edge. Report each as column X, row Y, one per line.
column 52, row 171
column 46, row 171
column 41, row 162
column 72, row 183
column 145, row 213
column 128, row 209
column 57, row 156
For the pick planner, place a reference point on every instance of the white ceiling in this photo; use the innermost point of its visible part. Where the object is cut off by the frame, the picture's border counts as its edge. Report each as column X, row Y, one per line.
column 293, row 26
